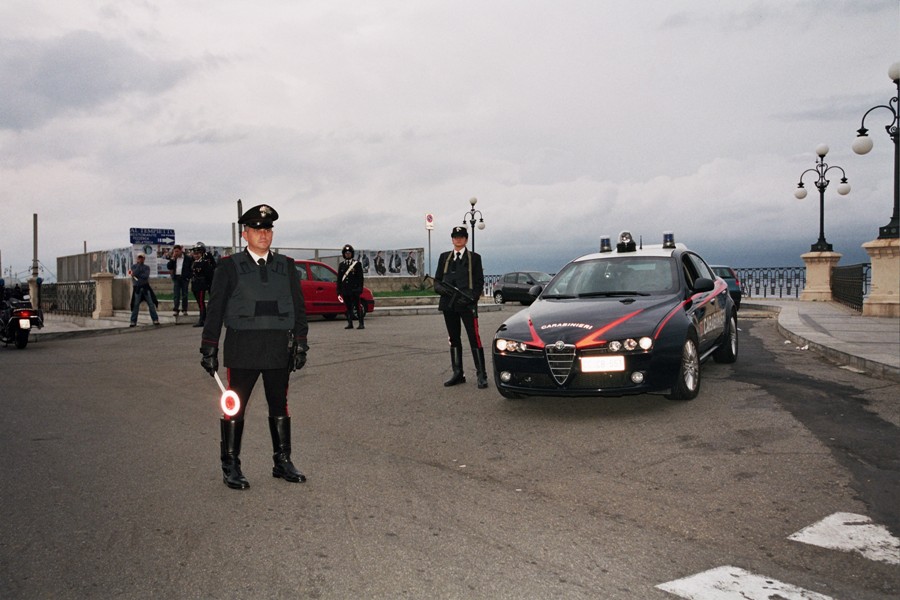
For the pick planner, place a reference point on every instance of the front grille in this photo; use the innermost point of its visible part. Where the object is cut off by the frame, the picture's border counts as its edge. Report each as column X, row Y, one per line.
column 560, row 358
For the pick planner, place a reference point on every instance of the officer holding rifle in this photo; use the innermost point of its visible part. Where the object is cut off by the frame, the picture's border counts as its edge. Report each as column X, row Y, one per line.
column 459, row 280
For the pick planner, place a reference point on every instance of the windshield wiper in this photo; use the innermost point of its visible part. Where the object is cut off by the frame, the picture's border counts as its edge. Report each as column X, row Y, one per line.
column 611, row 294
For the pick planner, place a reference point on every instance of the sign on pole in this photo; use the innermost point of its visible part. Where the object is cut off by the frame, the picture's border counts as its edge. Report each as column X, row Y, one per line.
column 155, row 245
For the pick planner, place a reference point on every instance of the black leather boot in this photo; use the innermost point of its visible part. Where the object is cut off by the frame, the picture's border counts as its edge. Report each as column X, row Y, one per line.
column 349, row 320
column 280, row 428
column 456, row 362
column 362, row 318
column 481, row 373
column 232, row 431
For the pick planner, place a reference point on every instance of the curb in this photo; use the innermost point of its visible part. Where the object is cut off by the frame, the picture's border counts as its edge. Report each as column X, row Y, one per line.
column 867, row 365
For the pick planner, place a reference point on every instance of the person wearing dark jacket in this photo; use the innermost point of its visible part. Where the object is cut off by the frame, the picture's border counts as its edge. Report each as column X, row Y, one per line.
column 202, row 272
column 256, row 295
column 350, row 286
column 181, row 268
column 141, row 291
column 459, row 280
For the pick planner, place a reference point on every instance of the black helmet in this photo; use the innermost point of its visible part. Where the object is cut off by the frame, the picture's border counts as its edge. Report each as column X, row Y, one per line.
column 199, row 247
column 347, row 248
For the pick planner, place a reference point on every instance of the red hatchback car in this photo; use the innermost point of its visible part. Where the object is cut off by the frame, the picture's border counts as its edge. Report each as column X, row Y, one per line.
column 319, row 284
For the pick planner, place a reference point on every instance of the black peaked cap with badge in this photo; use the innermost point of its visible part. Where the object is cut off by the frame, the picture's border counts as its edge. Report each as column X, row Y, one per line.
column 259, row 217
column 459, row 232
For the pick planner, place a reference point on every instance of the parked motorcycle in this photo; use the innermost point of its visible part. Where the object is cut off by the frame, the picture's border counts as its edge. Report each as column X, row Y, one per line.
column 17, row 319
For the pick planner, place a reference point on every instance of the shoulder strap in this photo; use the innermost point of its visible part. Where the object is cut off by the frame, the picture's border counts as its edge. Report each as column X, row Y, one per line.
column 349, row 268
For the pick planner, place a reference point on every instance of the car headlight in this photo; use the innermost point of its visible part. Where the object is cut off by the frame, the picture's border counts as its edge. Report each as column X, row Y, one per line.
column 630, row 344
column 504, row 345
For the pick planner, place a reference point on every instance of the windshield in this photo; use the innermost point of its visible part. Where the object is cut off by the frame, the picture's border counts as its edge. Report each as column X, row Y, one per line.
column 539, row 277
column 723, row 272
column 614, row 277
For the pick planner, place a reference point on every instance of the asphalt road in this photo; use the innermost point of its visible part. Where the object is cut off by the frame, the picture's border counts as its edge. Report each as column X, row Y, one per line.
column 112, row 487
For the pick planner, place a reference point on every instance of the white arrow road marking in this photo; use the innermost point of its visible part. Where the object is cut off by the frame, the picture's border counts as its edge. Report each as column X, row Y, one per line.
column 852, row 533
column 732, row 583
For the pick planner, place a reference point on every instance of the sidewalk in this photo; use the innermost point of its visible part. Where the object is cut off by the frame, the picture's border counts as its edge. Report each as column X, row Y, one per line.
column 870, row 344
column 62, row 326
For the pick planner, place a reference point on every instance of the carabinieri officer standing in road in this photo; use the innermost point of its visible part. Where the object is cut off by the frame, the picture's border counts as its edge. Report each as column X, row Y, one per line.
column 256, row 295
column 459, row 280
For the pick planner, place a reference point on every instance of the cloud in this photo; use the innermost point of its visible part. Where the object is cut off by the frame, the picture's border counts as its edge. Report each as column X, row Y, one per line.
column 75, row 73
column 354, row 119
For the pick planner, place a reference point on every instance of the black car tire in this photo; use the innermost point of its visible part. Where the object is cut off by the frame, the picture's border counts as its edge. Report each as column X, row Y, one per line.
column 21, row 338
column 687, row 383
column 498, row 298
column 728, row 351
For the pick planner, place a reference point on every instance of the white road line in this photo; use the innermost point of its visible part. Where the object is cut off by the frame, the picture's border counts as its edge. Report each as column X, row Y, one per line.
column 849, row 532
column 732, row 583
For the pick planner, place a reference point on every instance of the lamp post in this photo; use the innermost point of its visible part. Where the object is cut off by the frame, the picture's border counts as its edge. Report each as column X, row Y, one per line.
column 471, row 219
column 863, row 143
column 821, row 183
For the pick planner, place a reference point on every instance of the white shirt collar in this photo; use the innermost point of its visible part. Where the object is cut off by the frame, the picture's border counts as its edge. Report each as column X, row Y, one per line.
column 256, row 257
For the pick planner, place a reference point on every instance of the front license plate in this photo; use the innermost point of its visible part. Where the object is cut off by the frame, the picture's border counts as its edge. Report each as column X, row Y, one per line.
column 602, row 364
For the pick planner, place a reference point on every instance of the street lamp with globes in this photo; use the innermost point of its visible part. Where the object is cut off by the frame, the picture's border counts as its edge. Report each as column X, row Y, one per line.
column 863, row 143
column 821, row 183
column 471, row 219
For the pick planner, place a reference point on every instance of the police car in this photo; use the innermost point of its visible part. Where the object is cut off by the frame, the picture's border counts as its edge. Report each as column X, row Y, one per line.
column 626, row 320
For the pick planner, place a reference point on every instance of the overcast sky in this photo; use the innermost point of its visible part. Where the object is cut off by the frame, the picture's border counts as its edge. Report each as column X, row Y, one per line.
column 567, row 119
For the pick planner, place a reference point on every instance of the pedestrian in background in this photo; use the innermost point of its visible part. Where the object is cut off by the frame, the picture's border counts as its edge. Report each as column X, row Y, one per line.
column 181, row 267
column 459, row 280
column 141, row 291
column 202, row 272
column 256, row 295
column 350, row 286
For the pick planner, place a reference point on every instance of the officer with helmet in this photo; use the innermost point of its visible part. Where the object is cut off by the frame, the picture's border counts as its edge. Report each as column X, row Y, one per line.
column 350, row 286
column 256, row 295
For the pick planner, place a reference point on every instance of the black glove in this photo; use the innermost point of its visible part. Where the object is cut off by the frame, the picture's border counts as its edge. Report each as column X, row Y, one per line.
column 210, row 360
column 299, row 356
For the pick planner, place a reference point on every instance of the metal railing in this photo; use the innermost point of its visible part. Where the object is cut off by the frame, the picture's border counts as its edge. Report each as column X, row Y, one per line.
column 77, row 298
column 771, row 282
column 849, row 284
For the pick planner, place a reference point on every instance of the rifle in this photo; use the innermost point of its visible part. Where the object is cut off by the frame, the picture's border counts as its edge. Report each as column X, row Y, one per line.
column 457, row 298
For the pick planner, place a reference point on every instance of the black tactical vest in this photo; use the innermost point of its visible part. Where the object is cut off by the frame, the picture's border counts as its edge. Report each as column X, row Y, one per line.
column 262, row 298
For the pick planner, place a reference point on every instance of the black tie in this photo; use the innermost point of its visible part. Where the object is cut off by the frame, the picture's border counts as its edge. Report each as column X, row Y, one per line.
column 457, row 257
column 263, row 274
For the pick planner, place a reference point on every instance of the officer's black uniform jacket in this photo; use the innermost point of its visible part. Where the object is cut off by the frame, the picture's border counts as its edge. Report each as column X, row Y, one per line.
column 254, row 348
column 353, row 283
column 450, row 271
column 202, row 272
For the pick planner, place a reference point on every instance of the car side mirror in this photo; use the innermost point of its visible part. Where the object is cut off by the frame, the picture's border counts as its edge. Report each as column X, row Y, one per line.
column 535, row 290
column 704, row 284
